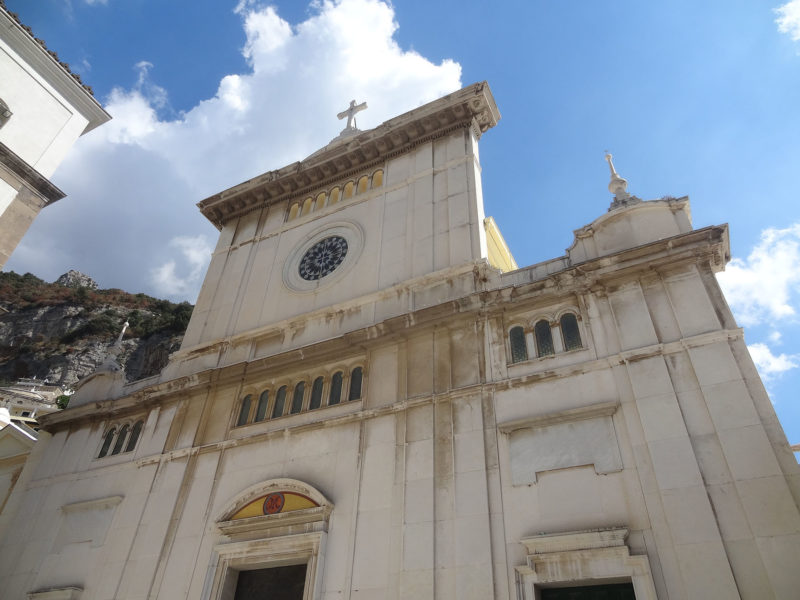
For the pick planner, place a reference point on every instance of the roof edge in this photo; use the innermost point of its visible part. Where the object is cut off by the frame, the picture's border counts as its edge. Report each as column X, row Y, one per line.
column 46, row 64
column 470, row 107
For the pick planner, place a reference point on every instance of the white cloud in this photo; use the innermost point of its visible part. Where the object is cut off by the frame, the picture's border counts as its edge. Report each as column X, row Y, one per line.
column 133, row 183
column 789, row 19
column 181, row 279
column 155, row 94
column 763, row 287
column 770, row 366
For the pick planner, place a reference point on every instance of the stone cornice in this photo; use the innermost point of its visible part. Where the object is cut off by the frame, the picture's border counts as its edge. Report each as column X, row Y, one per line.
column 358, row 413
column 706, row 245
column 56, row 73
column 591, row 411
column 34, row 180
column 471, row 107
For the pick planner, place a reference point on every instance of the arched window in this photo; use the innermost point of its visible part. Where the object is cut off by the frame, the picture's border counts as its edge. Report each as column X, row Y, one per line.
column 297, row 399
column 355, row 383
column 519, row 349
column 107, row 442
column 334, row 197
column 570, row 332
column 363, row 184
column 320, row 202
column 280, row 401
column 123, row 433
column 316, row 394
column 377, row 179
column 308, row 204
column 244, row 411
column 136, row 431
column 293, row 210
column 261, row 409
column 348, row 190
column 336, row 389
column 544, row 338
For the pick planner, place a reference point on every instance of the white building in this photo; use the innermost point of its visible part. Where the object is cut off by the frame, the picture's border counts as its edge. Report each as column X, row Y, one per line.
column 372, row 402
column 27, row 399
column 43, row 110
column 16, row 442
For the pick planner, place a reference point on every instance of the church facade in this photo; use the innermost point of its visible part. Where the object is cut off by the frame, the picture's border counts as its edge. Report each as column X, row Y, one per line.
column 372, row 401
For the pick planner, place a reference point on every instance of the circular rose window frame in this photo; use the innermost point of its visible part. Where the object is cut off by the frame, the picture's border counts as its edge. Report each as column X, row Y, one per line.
column 354, row 237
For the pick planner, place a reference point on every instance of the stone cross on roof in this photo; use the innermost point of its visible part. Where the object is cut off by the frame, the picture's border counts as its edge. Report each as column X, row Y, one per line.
column 350, row 113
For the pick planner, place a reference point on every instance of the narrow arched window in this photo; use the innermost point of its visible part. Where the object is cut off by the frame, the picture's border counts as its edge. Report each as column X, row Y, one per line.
column 107, row 442
column 261, row 409
column 123, row 433
column 519, row 349
column 136, row 431
column 244, row 411
column 293, row 210
column 308, row 204
column 377, row 179
column 348, row 190
column 334, row 197
column 320, row 202
column 570, row 332
column 297, row 399
column 280, row 401
column 316, row 394
column 544, row 338
column 363, row 183
column 355, row 383
column 336, row 389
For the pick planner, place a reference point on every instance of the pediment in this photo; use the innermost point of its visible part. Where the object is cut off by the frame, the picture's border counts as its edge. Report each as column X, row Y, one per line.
column 472, row 106
column 269, row 508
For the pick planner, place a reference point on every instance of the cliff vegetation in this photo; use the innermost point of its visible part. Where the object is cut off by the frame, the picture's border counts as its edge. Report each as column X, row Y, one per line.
column 60, row 331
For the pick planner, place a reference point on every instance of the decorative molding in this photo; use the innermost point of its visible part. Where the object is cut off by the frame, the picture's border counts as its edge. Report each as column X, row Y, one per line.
column 291, row 548
column 472, row 107
column 32, row 179
column 63, row 593
column 571, row 438
column 282, row 538
column 99, row 504
column 589, row 539
column 265, row 487
column 528, row 286
column 592, row 411
column 267, row 526
column 578, row 558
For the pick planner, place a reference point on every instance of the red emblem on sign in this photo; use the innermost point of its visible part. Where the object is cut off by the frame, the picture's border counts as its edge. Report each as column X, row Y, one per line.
column 273, row 503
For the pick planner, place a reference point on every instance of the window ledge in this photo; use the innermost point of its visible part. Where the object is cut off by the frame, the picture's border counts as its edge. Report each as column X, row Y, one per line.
column 546, row 357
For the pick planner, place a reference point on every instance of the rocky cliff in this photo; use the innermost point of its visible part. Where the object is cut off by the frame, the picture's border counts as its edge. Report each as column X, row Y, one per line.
column 61, row 331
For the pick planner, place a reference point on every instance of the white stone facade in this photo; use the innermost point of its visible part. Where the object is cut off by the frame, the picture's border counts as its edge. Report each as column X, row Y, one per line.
column 43, row 111
column 645, row 453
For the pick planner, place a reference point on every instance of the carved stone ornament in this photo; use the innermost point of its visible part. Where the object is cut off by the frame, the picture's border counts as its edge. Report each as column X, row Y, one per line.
column 323, row 256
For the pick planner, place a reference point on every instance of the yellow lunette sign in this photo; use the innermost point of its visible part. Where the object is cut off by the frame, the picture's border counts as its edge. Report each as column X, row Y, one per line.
column 274, row 503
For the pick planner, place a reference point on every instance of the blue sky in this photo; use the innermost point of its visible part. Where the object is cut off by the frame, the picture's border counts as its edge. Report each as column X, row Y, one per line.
column 692, row 98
